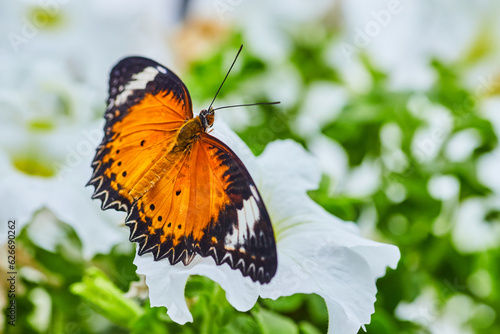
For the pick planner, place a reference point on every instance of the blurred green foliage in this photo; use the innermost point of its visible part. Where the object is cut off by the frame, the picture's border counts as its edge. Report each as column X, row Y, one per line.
column 97, row 302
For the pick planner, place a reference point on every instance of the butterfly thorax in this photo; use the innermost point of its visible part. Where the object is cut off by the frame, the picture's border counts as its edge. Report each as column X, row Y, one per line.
column 188, row 133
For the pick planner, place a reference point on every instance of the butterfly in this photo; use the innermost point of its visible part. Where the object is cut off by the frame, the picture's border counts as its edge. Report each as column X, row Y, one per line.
column 185, row 192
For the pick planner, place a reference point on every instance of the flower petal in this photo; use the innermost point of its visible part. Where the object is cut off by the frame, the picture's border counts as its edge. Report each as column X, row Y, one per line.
column 22, row 195
column 317, row 252
column 166, row 284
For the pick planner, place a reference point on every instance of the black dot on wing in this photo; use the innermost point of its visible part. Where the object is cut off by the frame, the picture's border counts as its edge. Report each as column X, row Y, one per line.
column 124, row 173
column 179, row 226
column 152, row 206
column 169, row 224
column 178, row 192
column 142, row 142
column 119, row 163
column 117, row 151
column 160, row 218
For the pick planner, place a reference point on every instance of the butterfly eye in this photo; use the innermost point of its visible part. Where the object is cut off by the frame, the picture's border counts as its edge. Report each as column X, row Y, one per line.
column 210, row 119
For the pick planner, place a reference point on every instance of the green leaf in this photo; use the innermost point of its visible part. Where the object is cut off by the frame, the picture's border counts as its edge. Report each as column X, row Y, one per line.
column 154, row 321
column 308, row 328
column 316, row 307
column 241, row 324
column 273, row 323
column 285, row 304
column 98, row 290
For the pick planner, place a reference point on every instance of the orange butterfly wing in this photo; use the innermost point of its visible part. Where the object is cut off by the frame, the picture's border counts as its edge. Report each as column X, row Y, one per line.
column 202, row 202
column 207, row 205
column 147, row 104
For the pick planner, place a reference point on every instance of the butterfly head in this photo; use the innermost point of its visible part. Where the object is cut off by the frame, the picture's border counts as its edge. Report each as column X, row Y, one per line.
column 207, row 118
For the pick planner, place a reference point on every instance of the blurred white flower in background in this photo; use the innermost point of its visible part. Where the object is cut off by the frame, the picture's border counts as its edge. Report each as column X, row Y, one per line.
column 364, row 179
column 402, row 37
column 392, row 155
column 488, row 170
column 489, row 164
column 444, row 187
column 265, row 25
column 55, row 63
column 322, row 104
column 473, row 232
column 450, row 316
column 462, row 144
column 428, row 139
column 333, row 159
column 267, row 29
column 317, row 252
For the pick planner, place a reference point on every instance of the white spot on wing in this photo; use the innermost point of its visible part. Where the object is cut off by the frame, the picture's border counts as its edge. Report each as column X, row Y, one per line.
column 231, row 240
column 139, row 81
column 111, row 104
column 247, row 217
column 250, row 213
column 161, row 69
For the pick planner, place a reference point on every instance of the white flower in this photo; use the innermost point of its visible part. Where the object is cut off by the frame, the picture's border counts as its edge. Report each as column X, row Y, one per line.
column 472, row 232
column 323, row 103
column 48, row 135
column 333, row 160
column 454, row 315
column 428, row 140
column 391, row 33
column 66, row 159
column 488, row 164
column 51, row 95
column 444, row 187
column 317, row 252
column 461, row 146
column 264, row 24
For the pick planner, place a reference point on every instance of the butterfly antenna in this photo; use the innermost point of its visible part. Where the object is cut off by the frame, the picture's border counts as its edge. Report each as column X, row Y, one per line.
column 234, row 61
column 246, row 105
